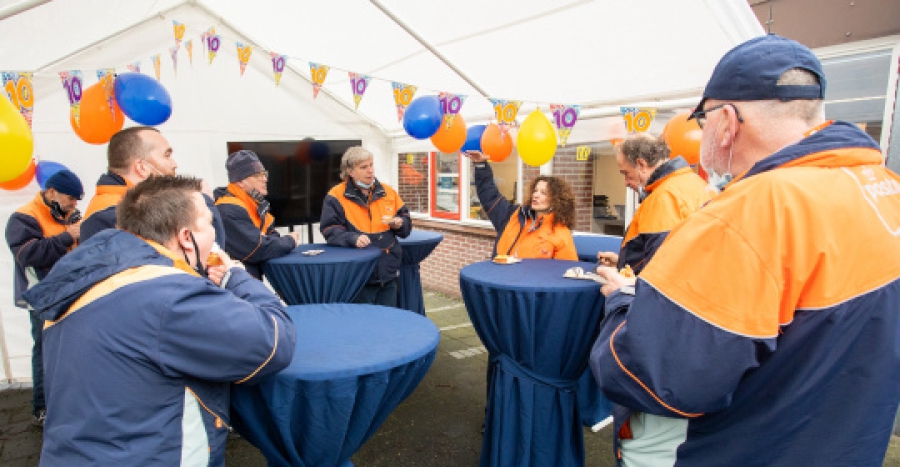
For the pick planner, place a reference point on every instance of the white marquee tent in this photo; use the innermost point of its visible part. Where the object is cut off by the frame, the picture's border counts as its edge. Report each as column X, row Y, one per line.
column 599, row 54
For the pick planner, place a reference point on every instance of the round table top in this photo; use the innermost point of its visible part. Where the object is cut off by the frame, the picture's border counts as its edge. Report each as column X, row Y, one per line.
column 332, row 254
column 533, row 275
column 417, row 237
column 338, row 340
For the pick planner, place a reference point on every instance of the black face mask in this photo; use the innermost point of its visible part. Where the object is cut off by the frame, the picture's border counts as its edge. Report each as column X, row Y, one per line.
column 199, row 267
column 61, row 216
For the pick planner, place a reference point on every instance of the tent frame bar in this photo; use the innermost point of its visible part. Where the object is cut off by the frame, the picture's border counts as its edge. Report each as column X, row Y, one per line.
column 21, row 7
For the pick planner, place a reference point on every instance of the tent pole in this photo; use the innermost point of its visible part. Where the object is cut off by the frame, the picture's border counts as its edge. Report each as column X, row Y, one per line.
column 155, row 17
column 430, row 47
column 20, row 7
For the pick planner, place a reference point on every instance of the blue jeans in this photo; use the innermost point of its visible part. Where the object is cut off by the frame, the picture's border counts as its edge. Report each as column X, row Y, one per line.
column 37, row 364
column 379, row 294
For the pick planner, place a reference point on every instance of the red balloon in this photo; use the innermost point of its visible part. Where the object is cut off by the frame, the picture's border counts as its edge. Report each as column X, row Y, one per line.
column 496, row 144
column 22, row 180
column 683, row 137
column 98, row 123
column 450, row 139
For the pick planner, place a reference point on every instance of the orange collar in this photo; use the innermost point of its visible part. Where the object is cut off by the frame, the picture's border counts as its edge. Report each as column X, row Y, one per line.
column 817, row 128
column 177, row 262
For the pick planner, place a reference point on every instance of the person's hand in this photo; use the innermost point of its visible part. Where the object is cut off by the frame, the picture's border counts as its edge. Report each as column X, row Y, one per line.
column 476, row 156
column 74, row 230
column 216, row 273
column 296, row 237
column 363, row 241
column 396, row 223
column 608, row 258
column 614, row 280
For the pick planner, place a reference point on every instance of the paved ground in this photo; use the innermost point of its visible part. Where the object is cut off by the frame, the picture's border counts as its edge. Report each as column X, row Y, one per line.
column 438, row 425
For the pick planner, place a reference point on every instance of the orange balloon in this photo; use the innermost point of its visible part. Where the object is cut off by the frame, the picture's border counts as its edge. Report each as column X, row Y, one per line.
column 98, row 123
column 450, row 139
column 683, row 137
column 496, row 144
column 22, row 180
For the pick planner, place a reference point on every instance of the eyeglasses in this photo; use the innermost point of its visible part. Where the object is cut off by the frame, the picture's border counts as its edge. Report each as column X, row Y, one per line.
column 263, row 174
column 701, row 115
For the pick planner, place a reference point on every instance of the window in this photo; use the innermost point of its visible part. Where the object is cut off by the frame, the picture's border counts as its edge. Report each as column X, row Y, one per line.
column 445, row 202
column 413, row 180
column 506, row 177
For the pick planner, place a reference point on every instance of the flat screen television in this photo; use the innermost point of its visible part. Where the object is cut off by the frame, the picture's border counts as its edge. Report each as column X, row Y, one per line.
column 300, row 175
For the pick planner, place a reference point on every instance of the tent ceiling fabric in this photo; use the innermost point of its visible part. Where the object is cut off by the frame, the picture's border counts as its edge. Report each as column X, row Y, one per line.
column 588, row 52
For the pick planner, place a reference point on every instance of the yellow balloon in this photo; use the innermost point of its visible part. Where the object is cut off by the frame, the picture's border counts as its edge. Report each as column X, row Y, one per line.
column 537, row 139
column 16, row 142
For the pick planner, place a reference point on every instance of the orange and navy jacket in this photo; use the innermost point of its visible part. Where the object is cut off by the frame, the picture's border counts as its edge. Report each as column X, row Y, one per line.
column 249, row 235
column 101, row 211
column 674, row 192
column 770, row 318
column 347, row 213
column 520, row 232
column 37, row 241
column 138, row 347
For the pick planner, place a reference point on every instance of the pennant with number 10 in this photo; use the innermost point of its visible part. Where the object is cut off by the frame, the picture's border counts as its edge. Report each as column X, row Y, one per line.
column 73, row 83
column 637, row 120
column 506, row 113
column 451, row 105
column 317, row 76
column 403, row 95
column 178, row 29
column 107, row 78
column 20, row 91
column 360, row 83
column 565, row 117
column 278, row 63
column 243, row 53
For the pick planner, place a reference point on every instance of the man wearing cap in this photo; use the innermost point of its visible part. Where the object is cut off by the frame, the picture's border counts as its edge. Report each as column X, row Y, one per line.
column 250, row 236
column 769, row 318
column 39, row 234
column 133, row 155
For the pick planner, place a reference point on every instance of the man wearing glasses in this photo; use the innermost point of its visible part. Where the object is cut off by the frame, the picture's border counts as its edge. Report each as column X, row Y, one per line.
column 769, row 318
column 249, row 235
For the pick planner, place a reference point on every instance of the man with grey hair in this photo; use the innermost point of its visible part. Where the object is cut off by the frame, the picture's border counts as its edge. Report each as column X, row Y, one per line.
column 670, row 191
column 250, row 236
column 362, row 212
column 769, row 318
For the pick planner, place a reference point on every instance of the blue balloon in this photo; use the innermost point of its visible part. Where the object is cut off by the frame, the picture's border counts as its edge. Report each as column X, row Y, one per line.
column 473, row 138
column 423, row 117
column 45, row 170
column 318, row 151
column 143, row 99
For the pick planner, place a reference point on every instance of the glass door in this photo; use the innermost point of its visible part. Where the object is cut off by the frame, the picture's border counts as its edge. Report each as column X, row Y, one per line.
column 445, row 186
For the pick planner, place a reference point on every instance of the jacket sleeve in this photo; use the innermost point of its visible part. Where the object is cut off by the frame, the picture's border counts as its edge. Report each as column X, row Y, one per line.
column 681, row 346
column 244, row 242
column 498, row 208
column 29, row 246
column 235, row 335
column 403, row 213
column 98, row 222
column 217, row 220
column 334, row 225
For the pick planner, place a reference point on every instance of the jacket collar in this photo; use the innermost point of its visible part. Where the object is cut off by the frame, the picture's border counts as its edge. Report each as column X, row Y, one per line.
column 670, row 167
column 113, row 179
column 355, row 193
column 243, row 196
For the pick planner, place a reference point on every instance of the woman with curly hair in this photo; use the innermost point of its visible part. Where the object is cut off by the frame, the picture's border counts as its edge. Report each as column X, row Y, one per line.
column 539, row 229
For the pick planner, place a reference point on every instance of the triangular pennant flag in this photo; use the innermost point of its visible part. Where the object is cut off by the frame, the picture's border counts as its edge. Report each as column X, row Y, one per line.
column 107, row 77
column 565, row 118
column 135, row 67
column 278, row 63
column 318, row 74
column 212, row 46
column 73, row 82
column 178, row 28
column 637, row 120
column 155, row 60
column 20, row 92
column 506, row 113
column 451, row 105
column 189, row 46
column 403, row 95
column 204, row 37
column 173, row 51
column 359, row 83
column 243, row 53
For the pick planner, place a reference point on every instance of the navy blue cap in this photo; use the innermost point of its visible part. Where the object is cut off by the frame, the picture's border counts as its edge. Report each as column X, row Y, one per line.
column 66, row 183
column 750, row 72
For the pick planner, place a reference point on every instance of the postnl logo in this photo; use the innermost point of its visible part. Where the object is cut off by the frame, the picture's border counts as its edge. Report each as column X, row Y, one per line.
column 882, row 188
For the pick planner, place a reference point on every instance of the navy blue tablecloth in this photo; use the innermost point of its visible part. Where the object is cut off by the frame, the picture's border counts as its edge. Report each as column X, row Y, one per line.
column 416, row 248
column 587, row 246
column 352, row 366
column 538, row 328
column 335, row 276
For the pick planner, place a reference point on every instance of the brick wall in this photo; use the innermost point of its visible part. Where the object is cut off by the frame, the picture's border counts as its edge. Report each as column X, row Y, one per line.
column 413, row 181
column 462, row 245
column 580, row 175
